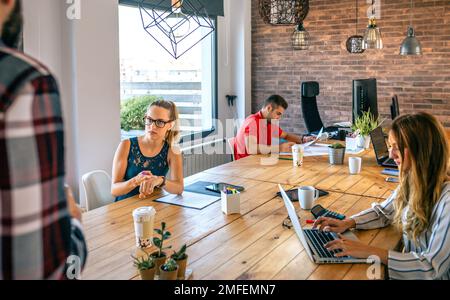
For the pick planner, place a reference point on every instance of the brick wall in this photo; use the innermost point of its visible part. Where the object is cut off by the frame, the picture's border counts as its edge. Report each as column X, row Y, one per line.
column 421, row 83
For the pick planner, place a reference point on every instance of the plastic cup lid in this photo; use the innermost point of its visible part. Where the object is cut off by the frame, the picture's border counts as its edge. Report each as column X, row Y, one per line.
column 144, row 211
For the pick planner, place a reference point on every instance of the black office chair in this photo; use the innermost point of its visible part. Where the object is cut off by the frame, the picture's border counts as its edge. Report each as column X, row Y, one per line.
column 313, row 122
column 395, row 109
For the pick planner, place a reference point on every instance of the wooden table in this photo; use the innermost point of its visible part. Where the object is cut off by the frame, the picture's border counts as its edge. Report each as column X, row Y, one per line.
column 315, row 171
column 252, row 245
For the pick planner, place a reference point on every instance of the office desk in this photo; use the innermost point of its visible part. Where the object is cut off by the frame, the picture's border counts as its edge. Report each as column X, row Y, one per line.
column 315, row 171
column 252, row 245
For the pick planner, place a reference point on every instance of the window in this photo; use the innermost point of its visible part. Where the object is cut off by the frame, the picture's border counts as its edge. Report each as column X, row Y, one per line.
column 146, row 69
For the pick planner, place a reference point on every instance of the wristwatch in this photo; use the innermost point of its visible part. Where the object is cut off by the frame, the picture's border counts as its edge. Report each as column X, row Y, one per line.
column 163, row 183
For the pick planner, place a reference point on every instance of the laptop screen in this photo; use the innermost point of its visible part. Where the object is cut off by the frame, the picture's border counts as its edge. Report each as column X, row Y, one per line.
column 379, row 143
column 295, row 221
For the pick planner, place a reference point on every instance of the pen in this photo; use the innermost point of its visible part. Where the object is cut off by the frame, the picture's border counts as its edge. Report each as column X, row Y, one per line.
column 310, row 221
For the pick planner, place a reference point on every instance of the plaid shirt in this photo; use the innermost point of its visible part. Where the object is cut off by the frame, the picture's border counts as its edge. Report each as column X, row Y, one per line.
column 37, row 234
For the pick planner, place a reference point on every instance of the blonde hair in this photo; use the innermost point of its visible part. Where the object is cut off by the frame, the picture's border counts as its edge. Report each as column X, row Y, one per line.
column 421, row 185
column 173, row 135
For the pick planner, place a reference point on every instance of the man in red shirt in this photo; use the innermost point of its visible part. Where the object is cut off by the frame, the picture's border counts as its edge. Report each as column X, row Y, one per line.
column 260, row 133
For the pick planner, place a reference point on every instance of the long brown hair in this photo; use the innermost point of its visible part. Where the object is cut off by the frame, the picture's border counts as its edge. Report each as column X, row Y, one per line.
column 421, row 185
column 173, row 135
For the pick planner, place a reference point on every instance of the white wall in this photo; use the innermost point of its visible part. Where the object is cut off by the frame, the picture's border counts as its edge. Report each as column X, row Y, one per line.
column 84, row 56
column 234, row 59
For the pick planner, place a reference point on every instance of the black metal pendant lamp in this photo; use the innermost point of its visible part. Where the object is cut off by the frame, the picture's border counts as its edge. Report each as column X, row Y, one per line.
column 354, row 43
column 410, row 45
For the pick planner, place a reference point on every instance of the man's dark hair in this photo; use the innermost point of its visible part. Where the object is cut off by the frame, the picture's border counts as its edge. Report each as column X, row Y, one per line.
column 12, row 28
column 276, row 100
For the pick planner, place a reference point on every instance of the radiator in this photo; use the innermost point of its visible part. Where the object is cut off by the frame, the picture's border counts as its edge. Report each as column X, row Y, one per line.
column 194, row 162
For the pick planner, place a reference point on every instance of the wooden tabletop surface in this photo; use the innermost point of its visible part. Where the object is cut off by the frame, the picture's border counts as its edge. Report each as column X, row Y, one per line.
column 254, row 244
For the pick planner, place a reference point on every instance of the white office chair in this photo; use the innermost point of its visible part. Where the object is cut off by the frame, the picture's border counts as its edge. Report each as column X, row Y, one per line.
column 231, row 142
column 97, row 187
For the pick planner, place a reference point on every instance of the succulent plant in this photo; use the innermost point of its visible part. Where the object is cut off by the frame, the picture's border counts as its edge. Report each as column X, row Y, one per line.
column 158, row 242
column 181, row 254
column 170, row 265
column 337, row 146
column 144, row 262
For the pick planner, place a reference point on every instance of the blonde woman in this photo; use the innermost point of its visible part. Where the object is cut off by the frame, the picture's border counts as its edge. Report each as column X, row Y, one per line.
column 420, row 206
column 142, row 163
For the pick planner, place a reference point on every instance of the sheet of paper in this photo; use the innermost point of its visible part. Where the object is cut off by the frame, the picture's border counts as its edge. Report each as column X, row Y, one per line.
column 343, row 124
column 190, row 200
column 354, row 151
column 314, row 141
column 316, row 150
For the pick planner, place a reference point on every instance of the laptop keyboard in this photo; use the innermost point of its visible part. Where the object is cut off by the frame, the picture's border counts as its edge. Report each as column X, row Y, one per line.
column 319, row 239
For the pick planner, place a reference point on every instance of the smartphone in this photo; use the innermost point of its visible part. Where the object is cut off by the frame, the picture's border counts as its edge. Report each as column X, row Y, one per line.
column 218, row 187
column 293, row 194
column 320, row 211
column 392, row 179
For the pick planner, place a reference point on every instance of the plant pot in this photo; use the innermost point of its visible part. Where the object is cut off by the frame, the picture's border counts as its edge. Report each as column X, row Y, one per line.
column 148, row 274
column 164, row 275
column 159, row 261
column 336, row 156
column 182, row 267
column 364, row 141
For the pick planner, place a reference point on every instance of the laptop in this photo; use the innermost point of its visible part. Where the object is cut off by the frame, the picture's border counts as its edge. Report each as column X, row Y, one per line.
column 313, row 240
column 381, row 149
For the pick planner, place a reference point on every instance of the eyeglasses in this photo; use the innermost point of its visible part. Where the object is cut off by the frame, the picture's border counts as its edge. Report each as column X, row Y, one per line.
column 287, row 223
column 159, row 123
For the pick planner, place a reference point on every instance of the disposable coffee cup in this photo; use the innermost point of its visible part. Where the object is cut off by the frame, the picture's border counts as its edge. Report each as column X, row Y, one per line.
column 297, row 155
column 354, row 165
column 144, row 218
column 307, row 195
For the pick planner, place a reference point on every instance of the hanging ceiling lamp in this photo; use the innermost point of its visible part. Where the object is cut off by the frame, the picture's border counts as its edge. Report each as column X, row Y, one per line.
column 355, row 42
column 410, row 45
column 300, row 38
column 177, row 28
column 283, row 12
column 372, row 36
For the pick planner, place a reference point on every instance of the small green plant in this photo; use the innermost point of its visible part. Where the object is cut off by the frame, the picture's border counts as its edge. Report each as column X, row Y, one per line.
column 143, row 263
column 181, row 254
column 158, row 242
column 366, row 123
column 132, row 112
column 337, row 146
column 170, row 265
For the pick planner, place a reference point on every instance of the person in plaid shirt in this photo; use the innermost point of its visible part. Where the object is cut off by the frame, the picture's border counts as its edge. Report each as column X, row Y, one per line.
column 40, row 229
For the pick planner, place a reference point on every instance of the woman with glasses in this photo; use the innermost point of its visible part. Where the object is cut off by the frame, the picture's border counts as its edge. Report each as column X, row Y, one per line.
column 142, row 163
column 419, row 207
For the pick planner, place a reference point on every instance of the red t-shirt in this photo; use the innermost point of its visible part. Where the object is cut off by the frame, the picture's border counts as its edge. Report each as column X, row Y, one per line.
column 255, row 125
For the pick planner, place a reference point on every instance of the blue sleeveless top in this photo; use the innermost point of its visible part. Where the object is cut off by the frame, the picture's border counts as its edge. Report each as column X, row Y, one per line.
column 137, row 163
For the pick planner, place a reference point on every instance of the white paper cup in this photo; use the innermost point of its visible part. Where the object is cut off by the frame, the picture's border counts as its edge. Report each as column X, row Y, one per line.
column 143, row 226
column 354, row 165
column 307, row 195
column 297, row 155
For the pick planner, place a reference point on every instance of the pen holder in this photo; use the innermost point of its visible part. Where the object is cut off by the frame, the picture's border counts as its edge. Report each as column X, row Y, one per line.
column 231, row 203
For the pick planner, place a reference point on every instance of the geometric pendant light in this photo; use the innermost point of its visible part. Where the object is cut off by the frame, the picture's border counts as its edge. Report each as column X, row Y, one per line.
column 410, row 45
column 354, row 43
column 283, row 12
column 177, row 28
column 372, row 36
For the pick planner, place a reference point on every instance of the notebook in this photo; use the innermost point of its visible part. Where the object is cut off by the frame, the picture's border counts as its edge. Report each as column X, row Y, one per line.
column 189, row 200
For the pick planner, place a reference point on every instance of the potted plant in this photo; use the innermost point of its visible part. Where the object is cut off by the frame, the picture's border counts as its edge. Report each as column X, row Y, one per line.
column 146, row 266
column 181, row 258
column 169, row 270
column 363, row 126
column 336, row 153
column 160, row 256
